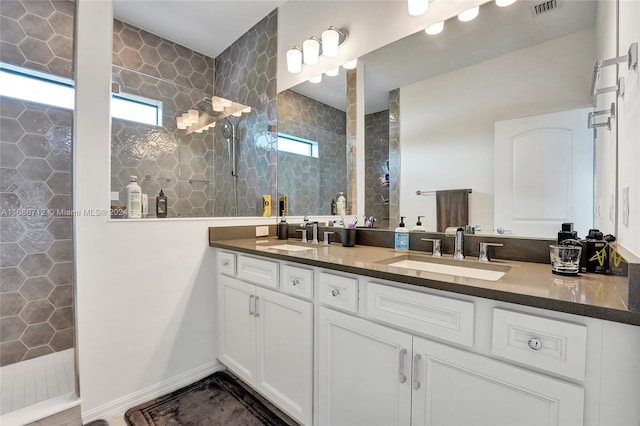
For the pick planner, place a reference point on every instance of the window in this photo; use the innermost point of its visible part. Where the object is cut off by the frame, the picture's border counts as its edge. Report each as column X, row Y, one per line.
column 296, row 145
column 34, row 86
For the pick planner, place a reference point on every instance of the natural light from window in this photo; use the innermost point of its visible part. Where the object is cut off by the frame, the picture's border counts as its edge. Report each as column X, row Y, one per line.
column 33, row 86
column 295, row 145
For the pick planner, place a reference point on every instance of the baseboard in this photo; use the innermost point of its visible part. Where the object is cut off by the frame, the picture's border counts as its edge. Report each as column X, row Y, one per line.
column 120, row 405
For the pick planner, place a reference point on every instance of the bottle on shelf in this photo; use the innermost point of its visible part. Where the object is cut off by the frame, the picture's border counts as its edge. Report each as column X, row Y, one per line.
column 161, row 205
column 134, row 198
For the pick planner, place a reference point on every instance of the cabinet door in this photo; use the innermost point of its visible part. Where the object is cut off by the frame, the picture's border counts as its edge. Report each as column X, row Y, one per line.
column 455, row 387
column 237, row 327
column 364, row 372
column 285, row 352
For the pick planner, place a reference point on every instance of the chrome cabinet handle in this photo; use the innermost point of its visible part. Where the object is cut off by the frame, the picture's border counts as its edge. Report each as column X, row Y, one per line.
column 535, row 343
column 251, row 305
column 414, row 379
column 256, row 313
column 334, row 292
column 295, row 282
column 402, row 376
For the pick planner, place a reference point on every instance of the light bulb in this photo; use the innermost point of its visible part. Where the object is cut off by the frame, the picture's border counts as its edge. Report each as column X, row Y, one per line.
column 333, row 72
column 180, row 123
column 310, row 51
column 469, row 14
column 185, row 119
column 316, row 79
column 435, row 28
column 350, row 64
column 330, row 42
column 418, row 7
column 294, row 60
column 504, row 3
column 193, row 116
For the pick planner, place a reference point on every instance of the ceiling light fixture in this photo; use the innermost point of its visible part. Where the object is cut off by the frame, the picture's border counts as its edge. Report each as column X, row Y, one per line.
column 469, row 14
column 349, row 65
column 435, row 28
column 294, row 60
column 333, row 72
column 311, row 51
column 417, row 7
column 505, row 3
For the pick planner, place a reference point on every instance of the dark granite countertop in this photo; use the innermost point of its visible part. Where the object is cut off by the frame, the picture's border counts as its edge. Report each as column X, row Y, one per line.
column 525, row 283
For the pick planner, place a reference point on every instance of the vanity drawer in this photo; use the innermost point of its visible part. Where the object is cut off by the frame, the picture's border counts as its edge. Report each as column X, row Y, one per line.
column 549, row 344
column 338, row 291
column 297, row 281
column 227, row 263
column 258, row 271
column 426, row 314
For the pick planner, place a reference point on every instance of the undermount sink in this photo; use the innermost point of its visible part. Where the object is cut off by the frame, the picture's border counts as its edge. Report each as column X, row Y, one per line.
column 289, row 247
column 460, row 268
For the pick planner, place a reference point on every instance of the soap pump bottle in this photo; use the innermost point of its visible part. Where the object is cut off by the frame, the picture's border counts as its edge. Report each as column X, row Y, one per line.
column 402, row 237
column 419, row 227
column 134, row 198
column 161, row 205
column 567, row 233
column 283, row 229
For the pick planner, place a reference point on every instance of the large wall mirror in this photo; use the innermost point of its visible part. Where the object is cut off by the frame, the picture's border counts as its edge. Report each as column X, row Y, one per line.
column 497, row 108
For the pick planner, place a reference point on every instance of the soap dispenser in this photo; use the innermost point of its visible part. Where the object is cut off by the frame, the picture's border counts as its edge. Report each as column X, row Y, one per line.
column 402, row 237
column 419, row 227
column 283, row 229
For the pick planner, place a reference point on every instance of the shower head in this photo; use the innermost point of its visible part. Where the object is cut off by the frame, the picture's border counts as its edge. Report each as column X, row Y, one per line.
column 204, row 105
column 228, row 128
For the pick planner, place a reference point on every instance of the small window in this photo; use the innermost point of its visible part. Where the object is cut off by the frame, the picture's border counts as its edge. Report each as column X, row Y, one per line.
column 34, row 86
column 296, row 145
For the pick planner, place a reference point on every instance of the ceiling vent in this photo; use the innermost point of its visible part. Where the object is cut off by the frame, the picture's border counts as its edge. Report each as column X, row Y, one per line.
column 545, row 7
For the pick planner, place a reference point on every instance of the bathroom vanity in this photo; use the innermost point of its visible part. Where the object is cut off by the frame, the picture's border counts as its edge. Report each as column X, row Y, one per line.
column 336, row 335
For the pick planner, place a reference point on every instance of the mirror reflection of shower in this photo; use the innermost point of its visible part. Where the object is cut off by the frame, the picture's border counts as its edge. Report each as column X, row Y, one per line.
column 209, row 113
column 229, row 133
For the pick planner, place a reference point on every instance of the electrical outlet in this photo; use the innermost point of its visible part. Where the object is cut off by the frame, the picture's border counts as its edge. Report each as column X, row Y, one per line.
column 262, row 231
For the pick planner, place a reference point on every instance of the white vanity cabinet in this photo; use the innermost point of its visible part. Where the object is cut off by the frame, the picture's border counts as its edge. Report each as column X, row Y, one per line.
column 266, row 338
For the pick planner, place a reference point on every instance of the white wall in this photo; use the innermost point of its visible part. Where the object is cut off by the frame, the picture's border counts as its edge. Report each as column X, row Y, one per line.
column 144, row 289
column 447, row 122
column 629, row 131
column 371, row 25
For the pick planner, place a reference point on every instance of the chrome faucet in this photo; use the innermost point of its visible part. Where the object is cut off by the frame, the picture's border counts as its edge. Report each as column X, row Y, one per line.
column 314, row 230
column 484, row 251
column 458, row 248
column 436, row 252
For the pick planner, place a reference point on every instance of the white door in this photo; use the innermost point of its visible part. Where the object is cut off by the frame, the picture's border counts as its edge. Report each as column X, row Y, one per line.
column 544, row 174
column 364, row 372
column 237, row 327
column 285, row 352
column 462, row 388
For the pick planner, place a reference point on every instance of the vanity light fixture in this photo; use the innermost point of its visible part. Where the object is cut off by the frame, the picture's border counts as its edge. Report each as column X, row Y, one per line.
column 469, row 14
column 417, row 7
column 435, row 28
column 333, row 72
column 349, row 65
column 316, row 79
column 505, row 3
column 294, row 60
column 311, row 51
column 332, row 38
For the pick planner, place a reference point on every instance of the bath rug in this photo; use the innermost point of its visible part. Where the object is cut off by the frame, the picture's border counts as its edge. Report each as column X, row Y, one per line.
column 218, row 399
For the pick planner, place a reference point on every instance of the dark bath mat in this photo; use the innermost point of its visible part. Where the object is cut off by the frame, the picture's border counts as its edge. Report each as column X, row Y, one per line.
column 215, row 400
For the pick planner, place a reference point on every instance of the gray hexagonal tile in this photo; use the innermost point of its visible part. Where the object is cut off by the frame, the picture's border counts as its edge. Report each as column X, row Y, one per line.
column 62, row 296
column 35, row 169
column 131, row 38
column 60, row 160
column 61, row 274
column 37, row 311
column 10, row 279
column 61, row 251
column 10, row 129
column 60, row 205
column 34, row 265
column 34, row 145
column 62, row 319
column 10, row 53
column 36, row 352
column 36, row 27
column 36, row 51
column 62, row 46
column 35, row 194
column 59, row 137
column 10, row 229
column 11, row 304
column 11, row 31
column 11, row 352
column 40, row 8
column 62, row 24
column 60, row 183
column 10, row 254
column 62, row 340
column 36, row 288
column 11, row 328
column 37, row 334
column 35, row 240
column 61, row 228
column 40, row 218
